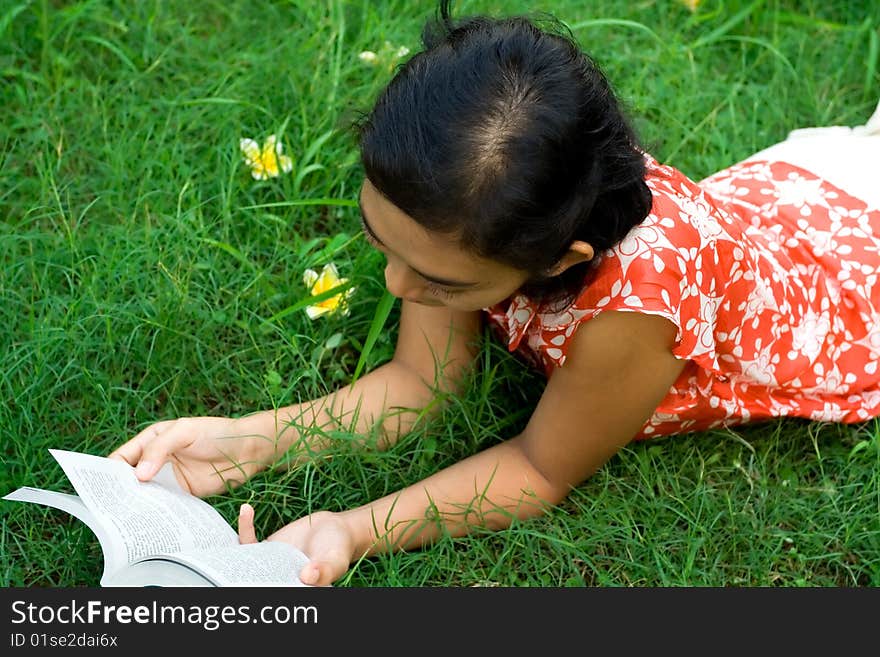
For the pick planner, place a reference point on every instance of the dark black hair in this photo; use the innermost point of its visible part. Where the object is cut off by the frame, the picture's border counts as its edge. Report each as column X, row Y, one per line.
column 508, row 136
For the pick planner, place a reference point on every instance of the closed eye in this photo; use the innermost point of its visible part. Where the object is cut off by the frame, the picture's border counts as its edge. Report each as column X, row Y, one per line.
column 372, row 240
column 439, row 290
column 438, row 286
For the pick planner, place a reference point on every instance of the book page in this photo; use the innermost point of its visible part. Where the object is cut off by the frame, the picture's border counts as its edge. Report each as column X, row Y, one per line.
column 145, row 518
column 114, row 553
column 157, row 571
column 269, row 563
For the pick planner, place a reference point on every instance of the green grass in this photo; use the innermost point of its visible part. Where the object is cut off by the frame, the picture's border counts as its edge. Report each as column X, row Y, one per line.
column 144, row 275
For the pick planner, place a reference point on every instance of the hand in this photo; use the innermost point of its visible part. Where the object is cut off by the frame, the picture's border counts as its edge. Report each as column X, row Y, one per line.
column 324, row 537
column 207, row 453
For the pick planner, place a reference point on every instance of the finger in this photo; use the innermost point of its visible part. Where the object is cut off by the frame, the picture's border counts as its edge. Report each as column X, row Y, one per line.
column 131, row 451
column 323, row 572
column 166, row 439
column 246, row 531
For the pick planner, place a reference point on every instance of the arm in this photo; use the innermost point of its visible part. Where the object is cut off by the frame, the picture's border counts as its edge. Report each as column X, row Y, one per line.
column 434, row 350
column 619, row 368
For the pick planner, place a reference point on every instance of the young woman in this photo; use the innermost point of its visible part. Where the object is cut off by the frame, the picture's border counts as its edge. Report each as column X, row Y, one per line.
column 504, row 184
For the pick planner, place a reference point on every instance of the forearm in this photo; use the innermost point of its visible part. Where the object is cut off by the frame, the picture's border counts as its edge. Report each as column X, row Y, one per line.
column 392, row 394
column 488, row 490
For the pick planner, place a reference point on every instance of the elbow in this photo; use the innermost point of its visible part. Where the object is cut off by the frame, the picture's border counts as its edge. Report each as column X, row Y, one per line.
column 543, row 484
column 439, row 381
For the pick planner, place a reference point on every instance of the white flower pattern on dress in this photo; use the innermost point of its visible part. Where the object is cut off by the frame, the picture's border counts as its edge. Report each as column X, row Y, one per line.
column 770, row 275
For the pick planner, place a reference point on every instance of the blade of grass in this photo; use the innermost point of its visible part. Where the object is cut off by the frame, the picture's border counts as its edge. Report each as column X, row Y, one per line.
column 871, row 69
column 617, row 22
column 116, row 50
column 764, row 44
column 716, row 34
column 10, row 15
column 231, row 250
column 346, row 203
column 383, row 309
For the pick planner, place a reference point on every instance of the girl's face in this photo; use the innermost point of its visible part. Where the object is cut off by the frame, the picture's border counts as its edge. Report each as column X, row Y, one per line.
column 430, row 268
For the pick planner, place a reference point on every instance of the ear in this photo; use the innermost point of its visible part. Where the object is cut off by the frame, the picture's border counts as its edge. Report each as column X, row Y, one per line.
column 577, row 253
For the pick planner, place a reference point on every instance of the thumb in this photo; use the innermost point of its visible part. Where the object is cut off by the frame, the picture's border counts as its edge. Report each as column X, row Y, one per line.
column 162, row 441
column 323, row 572
column 246, row 531
column 141, row 451
column 146, row 469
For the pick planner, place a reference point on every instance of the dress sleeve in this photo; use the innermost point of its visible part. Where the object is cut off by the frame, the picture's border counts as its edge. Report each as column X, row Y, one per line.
column 668, row 266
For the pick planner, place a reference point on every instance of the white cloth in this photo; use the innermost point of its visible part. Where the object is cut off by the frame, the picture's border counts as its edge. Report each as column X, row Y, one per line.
column 848, row 158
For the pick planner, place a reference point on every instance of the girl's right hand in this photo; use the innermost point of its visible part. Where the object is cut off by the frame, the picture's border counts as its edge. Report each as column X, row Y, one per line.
column 207, row 453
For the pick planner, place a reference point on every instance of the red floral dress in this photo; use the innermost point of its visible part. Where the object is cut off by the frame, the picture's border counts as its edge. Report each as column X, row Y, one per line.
column 769, row 273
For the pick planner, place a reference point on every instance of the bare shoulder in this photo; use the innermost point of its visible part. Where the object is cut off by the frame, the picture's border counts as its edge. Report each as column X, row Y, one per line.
column 618, row 345
column 636, row 330
column 618, row 368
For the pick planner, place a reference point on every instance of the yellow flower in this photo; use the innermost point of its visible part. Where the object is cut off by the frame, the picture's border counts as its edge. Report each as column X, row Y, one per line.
column 326, row 280
column 691, row 4
column 266, row 162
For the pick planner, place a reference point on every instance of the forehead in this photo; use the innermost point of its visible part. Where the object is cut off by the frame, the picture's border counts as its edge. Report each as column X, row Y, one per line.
column 440, row 255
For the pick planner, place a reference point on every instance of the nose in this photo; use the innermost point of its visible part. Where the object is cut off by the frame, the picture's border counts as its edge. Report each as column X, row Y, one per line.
column 401, row 281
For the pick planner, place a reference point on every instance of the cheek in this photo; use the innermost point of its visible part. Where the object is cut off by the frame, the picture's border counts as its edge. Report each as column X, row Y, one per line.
column 505, row 288
column 483, row 298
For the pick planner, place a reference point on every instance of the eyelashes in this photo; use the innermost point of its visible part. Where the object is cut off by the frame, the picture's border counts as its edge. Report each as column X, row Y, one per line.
column 438, row 291
column 372, row 241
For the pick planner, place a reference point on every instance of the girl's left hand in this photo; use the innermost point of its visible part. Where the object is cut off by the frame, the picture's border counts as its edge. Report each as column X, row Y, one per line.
column 324, row 536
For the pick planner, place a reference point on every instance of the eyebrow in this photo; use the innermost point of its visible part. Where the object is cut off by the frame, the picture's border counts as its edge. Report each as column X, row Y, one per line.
column 433, row 279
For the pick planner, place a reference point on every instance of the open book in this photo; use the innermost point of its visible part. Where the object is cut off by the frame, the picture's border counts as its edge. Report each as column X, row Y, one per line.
column 156, row 534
